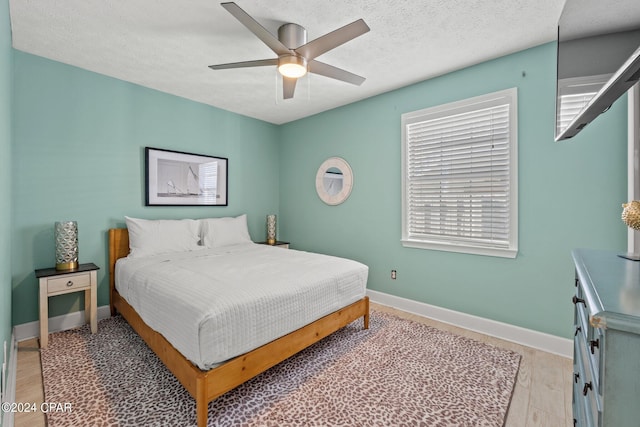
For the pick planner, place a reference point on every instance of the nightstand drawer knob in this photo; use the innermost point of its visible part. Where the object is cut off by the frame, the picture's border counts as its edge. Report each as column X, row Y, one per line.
column 69, row 284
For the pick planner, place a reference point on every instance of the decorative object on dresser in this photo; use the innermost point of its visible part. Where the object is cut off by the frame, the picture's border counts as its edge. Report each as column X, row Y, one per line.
column 271, row 229
column 399, row 372
column 184, row 179
column 606, row 340
column 66, row 238
column 631, row 217
column 55, row 282
column 631, row 214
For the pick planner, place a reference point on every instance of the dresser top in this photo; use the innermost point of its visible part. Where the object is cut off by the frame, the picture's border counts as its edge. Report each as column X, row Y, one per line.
column 612, row 288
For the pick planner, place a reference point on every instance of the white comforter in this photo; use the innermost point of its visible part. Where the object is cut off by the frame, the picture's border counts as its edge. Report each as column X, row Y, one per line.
column 215, row 304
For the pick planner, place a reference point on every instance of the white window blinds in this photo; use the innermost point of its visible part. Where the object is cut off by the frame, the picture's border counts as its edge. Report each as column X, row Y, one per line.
column 459, row 165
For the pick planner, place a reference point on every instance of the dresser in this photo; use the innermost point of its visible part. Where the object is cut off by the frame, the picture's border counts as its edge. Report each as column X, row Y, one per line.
column 606, row 361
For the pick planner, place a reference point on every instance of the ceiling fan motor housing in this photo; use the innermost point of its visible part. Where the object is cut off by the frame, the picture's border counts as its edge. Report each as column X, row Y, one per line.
column 292, row 35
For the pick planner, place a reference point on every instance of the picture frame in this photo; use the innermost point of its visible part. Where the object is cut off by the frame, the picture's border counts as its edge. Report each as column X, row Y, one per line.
column 175, row 178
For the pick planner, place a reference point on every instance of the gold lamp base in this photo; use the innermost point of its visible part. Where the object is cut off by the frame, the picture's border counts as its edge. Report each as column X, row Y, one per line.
column 67, row 265
column 271, row 242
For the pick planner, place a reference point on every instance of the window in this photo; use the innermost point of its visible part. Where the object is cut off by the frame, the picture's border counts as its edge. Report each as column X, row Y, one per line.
column 459, row 166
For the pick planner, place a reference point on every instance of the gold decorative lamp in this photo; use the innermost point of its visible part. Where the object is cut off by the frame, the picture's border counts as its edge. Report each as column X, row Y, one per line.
column 66, row 236
column 271, row 229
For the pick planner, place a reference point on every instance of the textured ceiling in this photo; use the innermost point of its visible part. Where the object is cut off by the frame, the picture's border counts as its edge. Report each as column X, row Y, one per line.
column 167, row 45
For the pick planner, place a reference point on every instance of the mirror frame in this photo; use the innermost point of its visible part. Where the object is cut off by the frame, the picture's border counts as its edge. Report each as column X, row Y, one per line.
column 347, row 180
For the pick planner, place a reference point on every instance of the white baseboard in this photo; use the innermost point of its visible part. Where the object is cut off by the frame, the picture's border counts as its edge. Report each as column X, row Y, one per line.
column 10, row 386
column 530, row 338
column 30, row 330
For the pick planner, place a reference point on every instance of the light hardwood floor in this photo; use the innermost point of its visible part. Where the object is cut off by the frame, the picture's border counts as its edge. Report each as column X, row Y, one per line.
column 542, row 395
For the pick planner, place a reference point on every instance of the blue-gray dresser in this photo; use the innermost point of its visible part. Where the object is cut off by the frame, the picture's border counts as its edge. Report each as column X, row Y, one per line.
column 606, row 361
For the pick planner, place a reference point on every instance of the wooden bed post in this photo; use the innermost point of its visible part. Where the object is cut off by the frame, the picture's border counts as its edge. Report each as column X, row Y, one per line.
column 202, row 403
column 365, row 318
column 118, row 248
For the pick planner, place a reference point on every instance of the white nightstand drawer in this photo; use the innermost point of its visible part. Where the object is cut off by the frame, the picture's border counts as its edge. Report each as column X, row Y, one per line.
column 67, row 283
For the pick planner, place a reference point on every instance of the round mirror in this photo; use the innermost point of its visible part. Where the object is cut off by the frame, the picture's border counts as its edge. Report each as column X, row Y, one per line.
column 334, row 181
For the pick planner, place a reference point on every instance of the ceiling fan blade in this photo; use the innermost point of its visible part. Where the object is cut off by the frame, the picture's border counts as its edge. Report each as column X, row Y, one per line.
column 317, row 67
column 288, row 87
column 322, row 44
column 257, row 29
column 244, row 64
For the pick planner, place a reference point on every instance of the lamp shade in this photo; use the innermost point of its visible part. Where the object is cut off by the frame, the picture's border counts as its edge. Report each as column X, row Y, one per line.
column 66, row 237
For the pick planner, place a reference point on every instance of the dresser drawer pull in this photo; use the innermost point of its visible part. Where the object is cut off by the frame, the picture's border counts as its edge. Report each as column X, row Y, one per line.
column 594, row 344
column 576, row 376
column 70, row 284
column 577, row 300
column 578, row 329
column 586, row 388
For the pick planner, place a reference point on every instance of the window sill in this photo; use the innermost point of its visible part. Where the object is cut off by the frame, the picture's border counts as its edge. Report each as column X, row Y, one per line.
column 448, row 247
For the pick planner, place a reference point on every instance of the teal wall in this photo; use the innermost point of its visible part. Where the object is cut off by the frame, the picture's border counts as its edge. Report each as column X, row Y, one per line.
column 78, row 154
column 569, row 196
column 5, row 178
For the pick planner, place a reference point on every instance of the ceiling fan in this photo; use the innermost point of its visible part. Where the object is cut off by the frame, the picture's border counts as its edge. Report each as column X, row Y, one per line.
column 296, row 56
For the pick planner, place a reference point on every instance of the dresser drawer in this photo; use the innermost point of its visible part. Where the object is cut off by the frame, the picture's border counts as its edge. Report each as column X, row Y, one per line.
column 582, row 321
column 595, row 344
column 585, row 386
column 579, row 412
column 68, row 282
column 591, row 337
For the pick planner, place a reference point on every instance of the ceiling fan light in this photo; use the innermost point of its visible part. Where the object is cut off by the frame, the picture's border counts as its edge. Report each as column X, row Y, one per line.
column 292, row 66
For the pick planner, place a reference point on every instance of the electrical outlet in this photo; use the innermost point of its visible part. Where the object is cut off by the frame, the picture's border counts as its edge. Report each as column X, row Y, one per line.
column 394, row 274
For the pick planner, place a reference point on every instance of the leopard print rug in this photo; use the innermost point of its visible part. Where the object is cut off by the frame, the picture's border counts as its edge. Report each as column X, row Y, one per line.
column 397, row 373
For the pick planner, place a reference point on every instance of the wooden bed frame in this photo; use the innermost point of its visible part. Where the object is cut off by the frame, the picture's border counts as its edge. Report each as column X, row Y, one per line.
column 206, row 386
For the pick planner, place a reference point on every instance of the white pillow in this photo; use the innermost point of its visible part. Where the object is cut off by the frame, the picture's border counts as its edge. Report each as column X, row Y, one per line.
column 151, row 237
column 218, row 232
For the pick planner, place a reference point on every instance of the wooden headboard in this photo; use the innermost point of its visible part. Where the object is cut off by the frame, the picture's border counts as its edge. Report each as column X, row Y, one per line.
column 118, row 248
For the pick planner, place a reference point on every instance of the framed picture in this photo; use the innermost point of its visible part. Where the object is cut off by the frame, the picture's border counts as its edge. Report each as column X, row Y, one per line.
column 184, row 179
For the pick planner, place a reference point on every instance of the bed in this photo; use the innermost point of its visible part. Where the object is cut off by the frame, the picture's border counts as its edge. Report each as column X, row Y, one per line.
column 207, row 378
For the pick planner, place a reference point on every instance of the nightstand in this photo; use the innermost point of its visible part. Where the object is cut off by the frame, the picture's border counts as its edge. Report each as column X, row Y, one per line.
column 284, row 245
column 57, row 282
